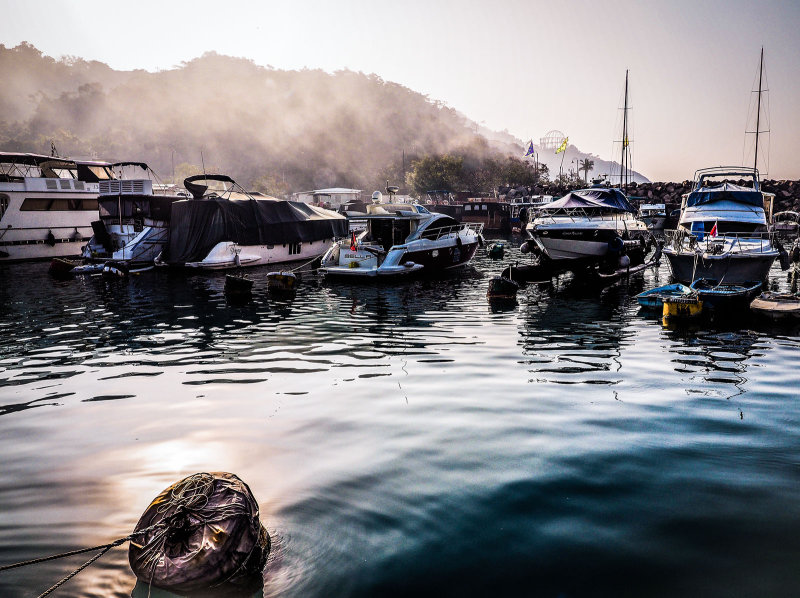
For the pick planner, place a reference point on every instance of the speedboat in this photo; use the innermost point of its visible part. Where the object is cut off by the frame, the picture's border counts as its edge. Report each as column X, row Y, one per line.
column 401, row 239
column 587, row 227
column 224, row 226
column 47, row 205
column 653, row 215
column 722, row 233
column 134, row 217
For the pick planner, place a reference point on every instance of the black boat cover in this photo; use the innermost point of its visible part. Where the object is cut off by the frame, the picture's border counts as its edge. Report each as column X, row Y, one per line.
column 197, row 225
column 599, row 197
column 725, row 191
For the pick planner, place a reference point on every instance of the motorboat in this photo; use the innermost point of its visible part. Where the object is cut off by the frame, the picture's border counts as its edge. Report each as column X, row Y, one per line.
column 47, row 205
column 134, row 216
column 654, row 298
column 401, row 239
column 653, row 215
column 723, row 233
column 786, row 223
column 586, row 227
column 726, row 297
column 524, row 208
column 224, row 226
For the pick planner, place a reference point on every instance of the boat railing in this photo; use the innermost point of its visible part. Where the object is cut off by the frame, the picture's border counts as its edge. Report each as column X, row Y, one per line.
column 755, row 242
column 439, row 233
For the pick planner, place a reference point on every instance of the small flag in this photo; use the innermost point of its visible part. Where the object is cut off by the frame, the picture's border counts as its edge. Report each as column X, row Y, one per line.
column 563, row 145
column 713, row 232
column 529, row 152
column 353, row 244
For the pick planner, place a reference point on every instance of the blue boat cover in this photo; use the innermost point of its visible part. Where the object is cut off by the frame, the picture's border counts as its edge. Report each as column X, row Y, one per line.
column 728, row 191
column 596, row 197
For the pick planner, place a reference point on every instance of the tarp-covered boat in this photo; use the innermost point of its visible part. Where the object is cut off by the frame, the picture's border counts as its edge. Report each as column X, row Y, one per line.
column 229, row 227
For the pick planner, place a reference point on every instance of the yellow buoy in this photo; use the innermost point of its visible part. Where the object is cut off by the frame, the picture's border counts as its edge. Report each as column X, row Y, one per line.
column 682, row 308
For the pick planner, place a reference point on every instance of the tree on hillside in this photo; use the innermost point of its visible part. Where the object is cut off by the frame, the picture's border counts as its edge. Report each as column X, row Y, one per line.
column 440, row 173
column 585, row 165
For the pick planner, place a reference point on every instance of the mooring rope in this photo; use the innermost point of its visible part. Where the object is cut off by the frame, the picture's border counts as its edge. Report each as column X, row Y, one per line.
column 66, row 554
column 65, row 579
column 103, row 548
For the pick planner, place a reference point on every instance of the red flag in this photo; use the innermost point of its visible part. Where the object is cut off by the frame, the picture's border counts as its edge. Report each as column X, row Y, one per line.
column 353, row 244
column 713, row 232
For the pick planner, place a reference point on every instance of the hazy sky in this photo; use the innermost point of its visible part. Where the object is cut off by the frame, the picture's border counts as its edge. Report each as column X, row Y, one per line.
column 527, row 66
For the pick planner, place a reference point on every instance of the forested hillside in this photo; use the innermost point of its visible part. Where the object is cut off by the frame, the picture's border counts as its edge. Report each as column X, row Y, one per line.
column 275, row 130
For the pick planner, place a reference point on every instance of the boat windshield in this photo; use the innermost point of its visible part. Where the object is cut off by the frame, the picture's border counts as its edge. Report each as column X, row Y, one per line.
column 94, row 172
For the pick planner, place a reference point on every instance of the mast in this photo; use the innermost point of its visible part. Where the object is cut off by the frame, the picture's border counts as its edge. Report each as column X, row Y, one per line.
column 758, row 110
column 623, row 162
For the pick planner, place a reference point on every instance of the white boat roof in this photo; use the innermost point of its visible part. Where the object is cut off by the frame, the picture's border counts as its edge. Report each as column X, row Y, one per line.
column 730, row 211
column 333, row 190
column 653, row 206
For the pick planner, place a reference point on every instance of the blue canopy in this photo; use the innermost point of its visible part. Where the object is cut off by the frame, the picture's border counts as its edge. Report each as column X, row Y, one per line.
column 725, row 191
column 599, row 197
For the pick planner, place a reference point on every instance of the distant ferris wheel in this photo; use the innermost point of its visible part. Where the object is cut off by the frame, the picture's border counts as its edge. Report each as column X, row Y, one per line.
column 552, row 141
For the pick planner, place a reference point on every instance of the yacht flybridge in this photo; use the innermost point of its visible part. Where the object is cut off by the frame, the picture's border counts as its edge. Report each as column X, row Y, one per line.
column 47, row 205
column 723, row 233
column 401, row 239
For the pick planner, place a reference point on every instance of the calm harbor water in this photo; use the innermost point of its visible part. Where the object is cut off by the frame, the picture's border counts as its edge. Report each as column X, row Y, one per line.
column 404, row 440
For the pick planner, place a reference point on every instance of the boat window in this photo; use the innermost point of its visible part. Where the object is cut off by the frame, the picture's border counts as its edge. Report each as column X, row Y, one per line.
column 47, row 204
column 94, row 173
column 294, row 248
column 3, row 204
column 35, row 204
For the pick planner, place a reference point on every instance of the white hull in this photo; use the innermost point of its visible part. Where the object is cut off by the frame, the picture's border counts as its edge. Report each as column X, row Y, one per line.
column 227, row 255
column 568, row 249
column 141, row 247
column 52, row 223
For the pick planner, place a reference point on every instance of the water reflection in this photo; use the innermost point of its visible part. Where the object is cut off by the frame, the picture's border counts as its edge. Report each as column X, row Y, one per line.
column 388, row 430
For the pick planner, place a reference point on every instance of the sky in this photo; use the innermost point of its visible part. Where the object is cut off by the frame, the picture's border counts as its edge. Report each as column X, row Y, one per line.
column 525, row 66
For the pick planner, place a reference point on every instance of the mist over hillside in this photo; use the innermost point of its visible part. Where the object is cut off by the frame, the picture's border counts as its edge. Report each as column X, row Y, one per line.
column 278, row 131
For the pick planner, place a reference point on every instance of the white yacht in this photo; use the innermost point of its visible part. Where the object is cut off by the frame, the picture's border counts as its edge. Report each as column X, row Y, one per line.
column 723, row 233
column 47, row 205
column 401, row 239
column 224, row 226
column 134, row 216
column 653, row 215
column 587, row 226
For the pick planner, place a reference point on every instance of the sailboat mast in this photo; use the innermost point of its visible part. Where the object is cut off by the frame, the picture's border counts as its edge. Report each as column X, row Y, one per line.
column 758, row 111
column 623, row 161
